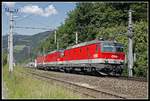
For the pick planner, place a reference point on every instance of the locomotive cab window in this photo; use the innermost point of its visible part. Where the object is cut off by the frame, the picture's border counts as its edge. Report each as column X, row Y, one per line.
column 112, row 47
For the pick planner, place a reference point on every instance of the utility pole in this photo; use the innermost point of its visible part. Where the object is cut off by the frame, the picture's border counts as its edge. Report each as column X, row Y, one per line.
column 130, row 47
column 10, row 38
column 8, row 50
column 11, row 43
column 55, row 37
column 55, row 40
column 57, row 45
column 76, row 37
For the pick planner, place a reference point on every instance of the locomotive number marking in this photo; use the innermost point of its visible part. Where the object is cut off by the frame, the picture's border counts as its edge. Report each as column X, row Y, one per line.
column 114, row 56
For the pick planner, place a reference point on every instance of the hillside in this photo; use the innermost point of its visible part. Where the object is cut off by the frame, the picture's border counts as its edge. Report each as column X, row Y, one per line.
column 24, row 45
column 17, row 40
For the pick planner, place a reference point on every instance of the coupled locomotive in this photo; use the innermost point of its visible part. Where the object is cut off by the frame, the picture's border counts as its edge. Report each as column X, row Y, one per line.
column 104, row 57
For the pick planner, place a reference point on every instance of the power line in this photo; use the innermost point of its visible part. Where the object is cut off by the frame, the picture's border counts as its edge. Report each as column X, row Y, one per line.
column 32, row 28
column 32, row 20
column 23, row 18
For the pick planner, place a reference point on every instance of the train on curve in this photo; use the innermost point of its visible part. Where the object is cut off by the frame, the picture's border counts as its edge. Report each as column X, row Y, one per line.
column 97, row 56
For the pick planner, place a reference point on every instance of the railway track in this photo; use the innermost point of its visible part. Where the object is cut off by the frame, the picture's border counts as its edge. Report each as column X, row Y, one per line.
column 87, row 91
column 140, row 79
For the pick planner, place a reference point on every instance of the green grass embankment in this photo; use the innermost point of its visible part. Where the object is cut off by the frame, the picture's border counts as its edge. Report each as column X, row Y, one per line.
column 23, row 86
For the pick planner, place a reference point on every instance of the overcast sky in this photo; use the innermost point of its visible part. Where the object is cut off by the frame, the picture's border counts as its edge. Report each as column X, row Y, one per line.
column 35, row 14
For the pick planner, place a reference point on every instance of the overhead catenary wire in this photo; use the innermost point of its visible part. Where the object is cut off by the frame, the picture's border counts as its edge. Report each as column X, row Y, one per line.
column 33, row 28
column 29, row 18
column 24, row 18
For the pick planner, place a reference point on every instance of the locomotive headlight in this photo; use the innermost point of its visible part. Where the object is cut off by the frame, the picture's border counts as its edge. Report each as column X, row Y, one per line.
column 95, row 55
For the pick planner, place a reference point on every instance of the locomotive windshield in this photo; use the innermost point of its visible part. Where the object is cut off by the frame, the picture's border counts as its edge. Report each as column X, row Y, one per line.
column 112, row 47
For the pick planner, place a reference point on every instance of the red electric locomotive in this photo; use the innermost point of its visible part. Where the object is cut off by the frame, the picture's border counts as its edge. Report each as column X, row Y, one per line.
column 105, row 57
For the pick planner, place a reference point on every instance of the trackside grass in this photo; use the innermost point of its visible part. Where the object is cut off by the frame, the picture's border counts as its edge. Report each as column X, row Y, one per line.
column 22, row 86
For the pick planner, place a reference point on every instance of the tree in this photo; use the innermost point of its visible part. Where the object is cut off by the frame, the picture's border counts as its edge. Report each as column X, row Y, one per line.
column 141, row 48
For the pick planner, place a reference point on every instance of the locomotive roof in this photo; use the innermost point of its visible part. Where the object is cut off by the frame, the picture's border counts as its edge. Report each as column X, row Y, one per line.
column 83, row 44
column 88, row 43
column 61, row 50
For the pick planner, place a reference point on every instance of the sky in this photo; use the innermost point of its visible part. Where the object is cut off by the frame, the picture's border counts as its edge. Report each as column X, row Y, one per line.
column 48, row 15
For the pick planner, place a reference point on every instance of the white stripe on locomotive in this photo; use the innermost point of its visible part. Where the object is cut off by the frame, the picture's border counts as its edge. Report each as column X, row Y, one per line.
column 113, row 61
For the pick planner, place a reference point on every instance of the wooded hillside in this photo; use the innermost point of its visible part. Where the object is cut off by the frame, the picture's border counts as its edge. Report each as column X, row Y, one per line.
column 105, row 20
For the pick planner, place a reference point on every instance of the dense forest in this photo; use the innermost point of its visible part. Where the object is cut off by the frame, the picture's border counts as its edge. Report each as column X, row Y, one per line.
column 109, row 21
